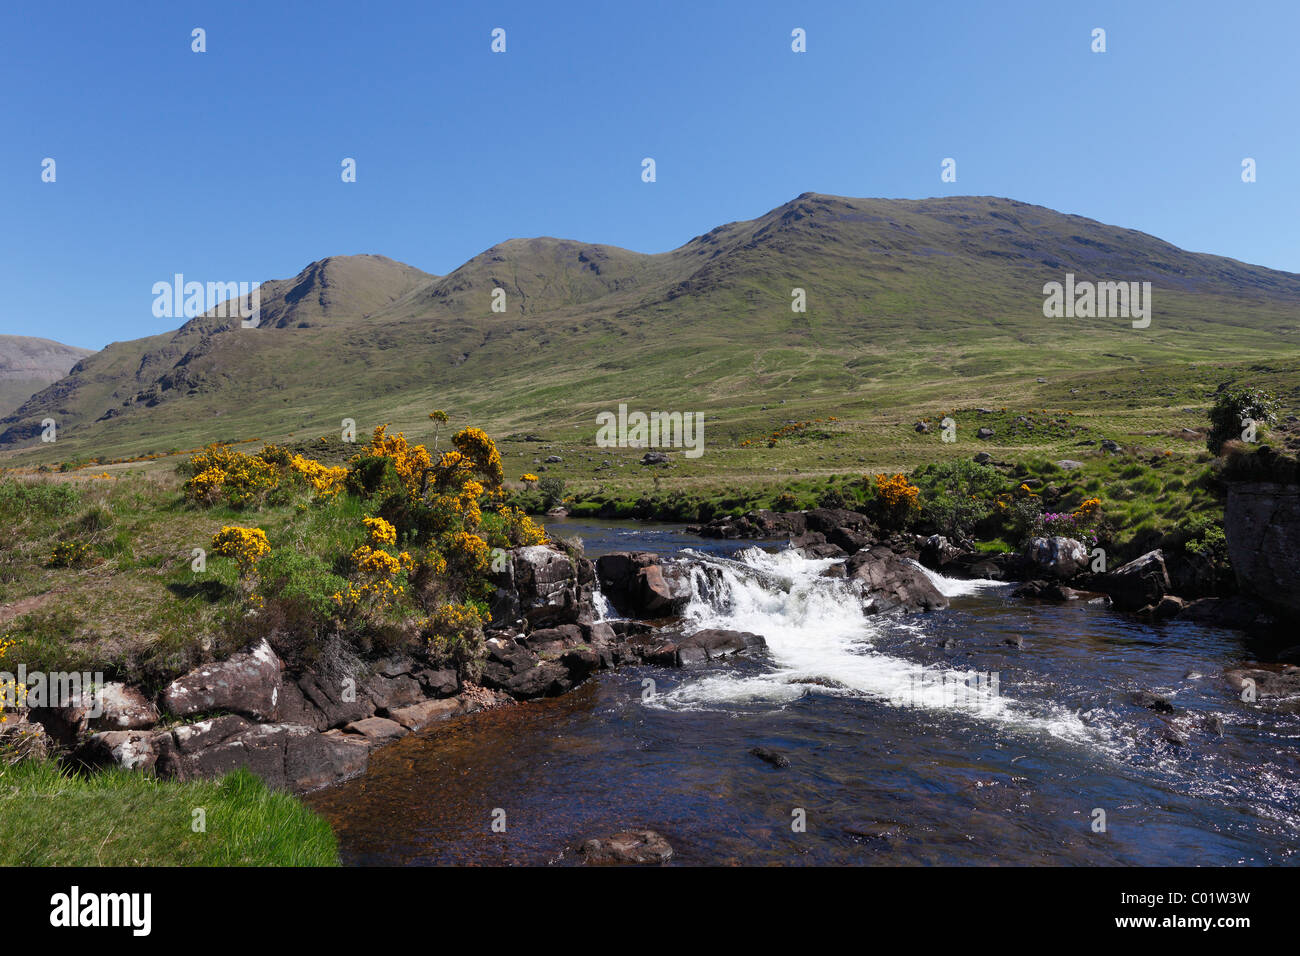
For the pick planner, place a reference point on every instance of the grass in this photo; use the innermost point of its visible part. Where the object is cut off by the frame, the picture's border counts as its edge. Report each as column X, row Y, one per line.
column 50, row 817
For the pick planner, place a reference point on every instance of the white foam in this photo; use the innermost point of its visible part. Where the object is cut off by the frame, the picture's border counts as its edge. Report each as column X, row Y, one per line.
column 821, row 641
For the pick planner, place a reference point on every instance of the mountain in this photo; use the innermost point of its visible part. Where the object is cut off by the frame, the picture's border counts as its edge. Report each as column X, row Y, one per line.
column 907, row 300
column 28, row 365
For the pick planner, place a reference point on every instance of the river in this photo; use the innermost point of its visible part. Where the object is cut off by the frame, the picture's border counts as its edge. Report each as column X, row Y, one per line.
column 995, row 732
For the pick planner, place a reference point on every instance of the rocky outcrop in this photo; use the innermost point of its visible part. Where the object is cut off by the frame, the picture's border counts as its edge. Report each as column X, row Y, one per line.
column 641, row 584
column 542, row 585
column 1261, row 521
column 892, row 582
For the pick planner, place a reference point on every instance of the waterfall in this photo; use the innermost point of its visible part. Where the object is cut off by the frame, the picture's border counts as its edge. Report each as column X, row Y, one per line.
column 821, row 640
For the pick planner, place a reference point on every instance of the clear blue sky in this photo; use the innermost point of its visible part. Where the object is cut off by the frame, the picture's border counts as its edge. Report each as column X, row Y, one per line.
column 225, row 165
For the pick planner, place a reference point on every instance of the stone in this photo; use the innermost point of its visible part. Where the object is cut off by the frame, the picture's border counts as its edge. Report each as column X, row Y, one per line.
column 891, row 582
column 247, row 683
column 128, row 749
column 632, row 846
column 416, row 717
column 768, row 755
column 376, row 729
column 1057, row 557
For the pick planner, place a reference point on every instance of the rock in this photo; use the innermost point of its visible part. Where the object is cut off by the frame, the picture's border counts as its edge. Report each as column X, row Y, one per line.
column 1069, row 464
column 287, row 756
column 1142, row 582
column 663, row 590
column 415, row 717
column 128, row 749
column 922, row 427
column 114, row 706
column 1055, row 591
column 1056, row 557
column 938, row 551
column 247, row 683
column 552, row 587
column 1111, row 446
column 1150, row 701
column 890, row 582
column 635, row 846
column 774, row 757
column 984, row 433
column 654, row 458
column 551, row 639
column 761, row 524
column 390, row 692
column 1280, row 688
column 672, row 649
column 1169, row 606
column 553, row 459
column 1016, row 641
column 983, row 458
column 339, row 701
column 377, row 730
column 1261, row 521
column 442, row 682
column 1237, row 612
column 545, row 680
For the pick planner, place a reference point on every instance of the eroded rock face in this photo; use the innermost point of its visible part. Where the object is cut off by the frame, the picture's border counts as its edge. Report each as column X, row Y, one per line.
column 128, row 749
column 890, row 582
column 247, row 683
column 1262, row 523
column 552, row 587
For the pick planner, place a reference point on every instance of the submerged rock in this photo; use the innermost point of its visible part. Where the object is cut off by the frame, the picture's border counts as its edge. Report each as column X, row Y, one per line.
column 631, row 846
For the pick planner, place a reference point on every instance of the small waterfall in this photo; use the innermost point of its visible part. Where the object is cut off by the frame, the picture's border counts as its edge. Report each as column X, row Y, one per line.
column 821, row 640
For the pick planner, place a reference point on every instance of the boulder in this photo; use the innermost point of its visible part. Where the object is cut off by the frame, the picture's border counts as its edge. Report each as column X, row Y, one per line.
column 552, row 587
column 889, row 582
column 339, row 701
column 128, row 749
column 419, row 716
column 1261, row 521
column 1143, row 581
column 634, row 846
column 1056, row 557
column 247, row 683
column 551, row 639
column 672, row 649
column 938, row 551
column 1279, row 688
column 377, row 730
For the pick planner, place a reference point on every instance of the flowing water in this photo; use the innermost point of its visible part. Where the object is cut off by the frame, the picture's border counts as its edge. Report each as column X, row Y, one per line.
column 932, row 739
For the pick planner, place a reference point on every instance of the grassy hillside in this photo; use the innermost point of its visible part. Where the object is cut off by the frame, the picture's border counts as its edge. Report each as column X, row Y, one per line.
column 915, row 308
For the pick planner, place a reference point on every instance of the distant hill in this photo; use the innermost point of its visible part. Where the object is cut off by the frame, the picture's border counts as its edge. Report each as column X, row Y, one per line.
column 28, row 365
column 911, row 295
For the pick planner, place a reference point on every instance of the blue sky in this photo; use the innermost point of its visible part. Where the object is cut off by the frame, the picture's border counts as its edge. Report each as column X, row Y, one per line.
column 225, row 165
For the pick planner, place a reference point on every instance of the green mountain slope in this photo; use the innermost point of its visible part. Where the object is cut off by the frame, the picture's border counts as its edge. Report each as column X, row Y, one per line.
column 908, row 302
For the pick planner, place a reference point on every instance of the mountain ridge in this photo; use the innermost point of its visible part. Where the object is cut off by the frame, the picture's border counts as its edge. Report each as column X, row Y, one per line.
column 967, row 269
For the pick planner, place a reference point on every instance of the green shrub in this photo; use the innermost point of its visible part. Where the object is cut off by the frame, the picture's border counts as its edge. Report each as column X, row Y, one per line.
column 1232, row 408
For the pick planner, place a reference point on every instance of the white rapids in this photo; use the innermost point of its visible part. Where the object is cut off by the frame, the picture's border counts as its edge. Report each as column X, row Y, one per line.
column 820, row 640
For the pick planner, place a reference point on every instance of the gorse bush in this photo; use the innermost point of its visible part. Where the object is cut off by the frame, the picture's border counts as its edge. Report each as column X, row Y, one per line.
column 958, row 494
